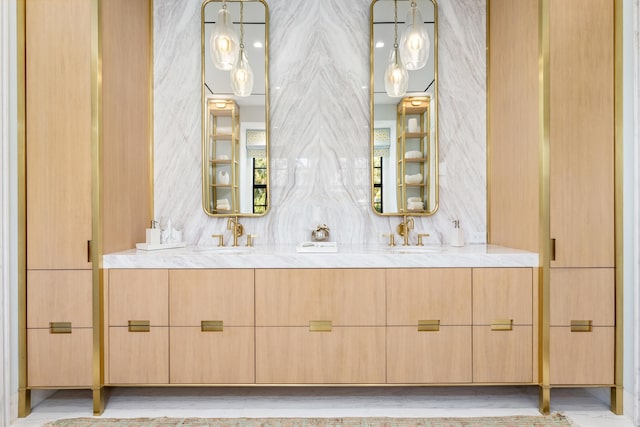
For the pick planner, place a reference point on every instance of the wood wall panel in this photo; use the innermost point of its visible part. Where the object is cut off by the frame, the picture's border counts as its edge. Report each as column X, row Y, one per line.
column 126, row 122
column 513, row 171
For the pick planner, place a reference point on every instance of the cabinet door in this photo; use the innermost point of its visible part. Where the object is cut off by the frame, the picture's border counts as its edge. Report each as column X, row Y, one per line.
column 58, row 133
column 502, row 356
column 138, row 357
column 581, row 358
column 346, row 297
column 201, row 295
column 221, row 357
column 60, row 360
column 138, row 295
column 295, row 355
column 502, row 294
column 582, row 132
column 429, row 357
column 429, row 294
column 59, row 296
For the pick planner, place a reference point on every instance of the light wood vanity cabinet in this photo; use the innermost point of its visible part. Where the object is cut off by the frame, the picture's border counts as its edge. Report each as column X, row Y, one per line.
column 211, row 327
column 320, row 326
column 429, row 326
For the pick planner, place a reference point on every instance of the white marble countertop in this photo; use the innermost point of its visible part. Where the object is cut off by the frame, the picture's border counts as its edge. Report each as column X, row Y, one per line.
column 346, row 257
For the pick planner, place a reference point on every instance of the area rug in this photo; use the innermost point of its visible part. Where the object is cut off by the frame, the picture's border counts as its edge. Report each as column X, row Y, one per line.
column 553, row 420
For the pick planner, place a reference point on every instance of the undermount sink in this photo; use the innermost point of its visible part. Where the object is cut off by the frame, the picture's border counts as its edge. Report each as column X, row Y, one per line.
column 222, row 250
column 415, row 249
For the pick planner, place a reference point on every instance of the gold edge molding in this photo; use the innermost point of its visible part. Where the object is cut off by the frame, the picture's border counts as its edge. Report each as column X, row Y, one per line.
column 151, row 110
column 488, row 133
column 96, row 200
column 544, row 194
column 371, row 111
column 24, row 394
column 322, row 385
column 616, row 392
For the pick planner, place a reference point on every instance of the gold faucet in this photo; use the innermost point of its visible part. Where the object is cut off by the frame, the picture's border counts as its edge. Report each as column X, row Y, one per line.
column 236, row 228
column 404, row 228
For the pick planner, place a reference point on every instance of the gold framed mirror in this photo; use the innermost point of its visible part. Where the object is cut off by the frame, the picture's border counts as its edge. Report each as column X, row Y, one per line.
column 404, row 107
column 235, row 107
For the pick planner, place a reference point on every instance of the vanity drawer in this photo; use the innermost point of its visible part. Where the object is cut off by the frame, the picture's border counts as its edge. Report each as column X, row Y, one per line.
column 225, row 357
column 581, row 358
column 429, row 294
column 59, row 296
column 579, row 294
column 138, row 357
column 60, row 360
column 503, row 356
column 346, row 297
column 201, row 295
column 138, row 295
column 346, row 355
column 432, row 357
column 502, row 294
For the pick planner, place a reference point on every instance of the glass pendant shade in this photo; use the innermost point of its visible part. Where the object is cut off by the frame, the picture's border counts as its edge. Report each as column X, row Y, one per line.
column 396, row 78
column 414, row 42
column 223, row 43
column 242, row 76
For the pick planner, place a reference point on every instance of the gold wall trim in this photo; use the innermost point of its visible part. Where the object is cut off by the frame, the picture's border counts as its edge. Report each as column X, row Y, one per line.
column 616, row 392
column 544, row 203
column 24, row 394
column 488, row 134
column 151, row 109
column 96, row 197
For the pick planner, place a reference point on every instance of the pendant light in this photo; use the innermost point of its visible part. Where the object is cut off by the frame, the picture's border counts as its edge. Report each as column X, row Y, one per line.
column 414, row 43
column 396, row 78
column 241, row 74
column 223, row 43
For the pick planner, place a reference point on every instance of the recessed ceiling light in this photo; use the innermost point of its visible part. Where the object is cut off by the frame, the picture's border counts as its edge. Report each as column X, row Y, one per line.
column 257, row 45
column 379, row 45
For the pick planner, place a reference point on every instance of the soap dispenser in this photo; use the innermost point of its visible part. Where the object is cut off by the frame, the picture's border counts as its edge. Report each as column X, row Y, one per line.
column 457, row 234
column 153, row 234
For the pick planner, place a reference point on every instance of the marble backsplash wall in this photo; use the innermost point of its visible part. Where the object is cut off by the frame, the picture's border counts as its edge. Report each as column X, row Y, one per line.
column 319, row 64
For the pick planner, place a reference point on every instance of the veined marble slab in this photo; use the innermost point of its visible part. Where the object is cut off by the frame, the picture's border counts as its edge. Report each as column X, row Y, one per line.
column 347, row 257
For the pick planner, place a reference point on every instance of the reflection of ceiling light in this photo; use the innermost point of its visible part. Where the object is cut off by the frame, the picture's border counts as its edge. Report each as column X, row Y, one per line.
column 221, row 104
column 241, row 74
column 396, row 78
column 414, row 43
column 223, row 44
column 257, row 45
column 379, row 45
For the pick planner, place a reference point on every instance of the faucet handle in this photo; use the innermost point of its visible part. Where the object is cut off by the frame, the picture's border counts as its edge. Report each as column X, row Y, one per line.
column 220, row 239
column 392, row 238
column 420, row 236
column 250, row 238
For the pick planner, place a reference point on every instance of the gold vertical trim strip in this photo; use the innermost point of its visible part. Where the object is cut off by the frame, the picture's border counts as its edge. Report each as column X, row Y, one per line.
column 96, row 197
column 545, row 249
column 24, row 394
column 488, row 134
column 616, row 392
column 151, row 109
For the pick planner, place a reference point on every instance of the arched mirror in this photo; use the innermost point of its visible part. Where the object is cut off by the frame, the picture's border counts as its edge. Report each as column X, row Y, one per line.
column 404, row 107
column 235, row 107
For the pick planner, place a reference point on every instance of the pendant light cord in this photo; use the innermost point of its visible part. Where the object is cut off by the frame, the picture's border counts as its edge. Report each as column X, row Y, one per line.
column 242, row 25
column 395, row 29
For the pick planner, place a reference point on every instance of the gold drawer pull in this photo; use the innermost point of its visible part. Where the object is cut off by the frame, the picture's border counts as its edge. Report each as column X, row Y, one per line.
column 581, row 326
column 502, row 325
column 59, row 327
column 320, row 326
column 212, row 325
column 139, row 326
column 428, row 325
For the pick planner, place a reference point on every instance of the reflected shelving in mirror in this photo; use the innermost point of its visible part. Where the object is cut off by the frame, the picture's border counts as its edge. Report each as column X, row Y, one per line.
column 235, row 119
column 404, row 130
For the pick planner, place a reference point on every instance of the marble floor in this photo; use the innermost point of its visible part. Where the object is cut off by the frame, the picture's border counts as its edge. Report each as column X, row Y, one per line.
column 584, row 407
